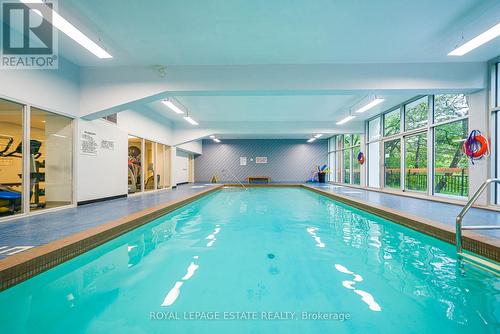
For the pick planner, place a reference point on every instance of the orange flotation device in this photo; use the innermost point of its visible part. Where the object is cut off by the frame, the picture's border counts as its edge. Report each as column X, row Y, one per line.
column 476, row 146
column 361, row 158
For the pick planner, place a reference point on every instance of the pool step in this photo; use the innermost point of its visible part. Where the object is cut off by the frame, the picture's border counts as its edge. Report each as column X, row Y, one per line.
column 480, row 262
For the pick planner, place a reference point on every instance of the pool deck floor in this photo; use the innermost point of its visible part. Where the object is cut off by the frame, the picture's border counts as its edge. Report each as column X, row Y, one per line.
column 23, row 233
column 439, row 212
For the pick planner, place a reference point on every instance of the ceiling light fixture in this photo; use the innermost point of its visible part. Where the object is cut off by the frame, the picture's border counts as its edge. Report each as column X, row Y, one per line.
column 372, row 103
column 310, row 140
column 172, row 106
column 216, row 140
column 212, row 136
column 72, row 32
column 318, row 135
column 346, row 119
column 477, row 41
column 190, row 120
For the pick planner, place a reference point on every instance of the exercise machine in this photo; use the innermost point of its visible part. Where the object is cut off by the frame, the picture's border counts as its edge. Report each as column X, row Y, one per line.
column 10, row 199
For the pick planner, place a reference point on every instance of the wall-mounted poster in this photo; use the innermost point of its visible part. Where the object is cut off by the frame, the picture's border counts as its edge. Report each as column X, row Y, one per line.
column 108, row 145
column 89, row 143
column 261, row 160
column 243, row 161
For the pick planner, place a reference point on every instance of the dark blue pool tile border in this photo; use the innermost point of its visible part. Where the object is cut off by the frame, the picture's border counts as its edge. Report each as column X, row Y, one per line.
column 20, row 267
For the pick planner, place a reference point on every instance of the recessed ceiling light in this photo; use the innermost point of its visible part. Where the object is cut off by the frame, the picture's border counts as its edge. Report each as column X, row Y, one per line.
column 318, row 135
column 216, row 140
column 212, row 136
column 190, row 120
column 172, row 106
column 370, row 105
column 477, row 41
column 345, row 120
column 310, row 140
column 72, row 32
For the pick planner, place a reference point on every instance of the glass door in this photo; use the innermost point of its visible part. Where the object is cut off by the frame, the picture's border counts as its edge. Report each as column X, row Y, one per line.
column 11, row 158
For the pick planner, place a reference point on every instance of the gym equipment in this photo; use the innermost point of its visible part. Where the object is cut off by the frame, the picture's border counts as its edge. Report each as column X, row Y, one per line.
column 476, row 146
column 10, row 199
column 134, row 167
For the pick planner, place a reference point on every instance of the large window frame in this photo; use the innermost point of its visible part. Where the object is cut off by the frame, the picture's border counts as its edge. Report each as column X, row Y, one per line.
column 428, row 128
column 494, row 108
column 340, row 149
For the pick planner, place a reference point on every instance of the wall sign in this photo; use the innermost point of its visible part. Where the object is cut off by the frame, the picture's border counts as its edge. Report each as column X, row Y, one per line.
column 243, row 161
column 108, row 145
column 88, row 143
column 261, row 160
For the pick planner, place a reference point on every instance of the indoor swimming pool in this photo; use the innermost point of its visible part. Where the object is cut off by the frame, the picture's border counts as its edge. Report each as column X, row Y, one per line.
column 262, row 260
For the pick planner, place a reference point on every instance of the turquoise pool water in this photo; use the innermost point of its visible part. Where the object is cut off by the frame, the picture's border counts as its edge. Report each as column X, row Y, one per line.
column 269, row 260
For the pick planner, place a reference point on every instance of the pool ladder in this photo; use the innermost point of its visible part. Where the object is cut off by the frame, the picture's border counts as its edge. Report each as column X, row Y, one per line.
column 234, row 177
column 459, row 227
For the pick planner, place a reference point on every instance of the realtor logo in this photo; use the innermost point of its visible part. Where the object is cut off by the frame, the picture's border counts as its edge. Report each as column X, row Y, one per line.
column 29, row 40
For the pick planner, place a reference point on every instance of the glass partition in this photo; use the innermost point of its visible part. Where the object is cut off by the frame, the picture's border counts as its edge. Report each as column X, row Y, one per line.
column 451, row 176
column 50, row 160
column 392, row 163
column 392, row 122
column 416, row 113
column 416, row 162
column 134, row 164
column 149, row 171
column 160, row 166
column 11, row 158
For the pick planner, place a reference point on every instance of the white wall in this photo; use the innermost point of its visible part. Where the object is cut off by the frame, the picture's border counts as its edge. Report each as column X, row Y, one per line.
column 195, row 147
column 52, row 90
column 105, row 174
column 479, row 120
column 146, row 126
column 181, row 170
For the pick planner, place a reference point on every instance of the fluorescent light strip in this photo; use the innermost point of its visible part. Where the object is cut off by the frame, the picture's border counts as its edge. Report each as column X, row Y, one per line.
column 212, row 136
column 190, row 120
column 477, row 41
column 345, row 120
column 216, row 140
column 370, row 105
column 72, row 32
column 318, row 135
column 310, row 140
column 172, row 106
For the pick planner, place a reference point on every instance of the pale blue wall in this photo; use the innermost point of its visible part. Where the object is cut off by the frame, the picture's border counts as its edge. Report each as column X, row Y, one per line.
column 288, row 160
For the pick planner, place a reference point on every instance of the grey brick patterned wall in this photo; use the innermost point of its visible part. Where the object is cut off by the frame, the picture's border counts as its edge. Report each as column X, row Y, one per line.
column 287, row 160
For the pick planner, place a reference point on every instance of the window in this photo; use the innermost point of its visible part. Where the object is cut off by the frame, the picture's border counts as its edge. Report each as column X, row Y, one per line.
column 374, row 129
column 347, row 141
column 392, row 122
column 331, row 159
column 450, row 106
column 11, row 158
column 416, row 162
column 347, row 165
column 50, row 160
column 134, row 164
column 416, row 113
column 374, row 164
column 450, row 164
column 392, row 163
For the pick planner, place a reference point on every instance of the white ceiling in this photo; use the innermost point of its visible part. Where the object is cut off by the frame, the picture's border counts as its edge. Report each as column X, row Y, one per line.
column 221, row 32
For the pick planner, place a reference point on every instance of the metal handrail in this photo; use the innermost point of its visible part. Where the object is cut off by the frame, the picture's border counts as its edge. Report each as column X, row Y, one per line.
column 234, row 176
column 466, row 208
